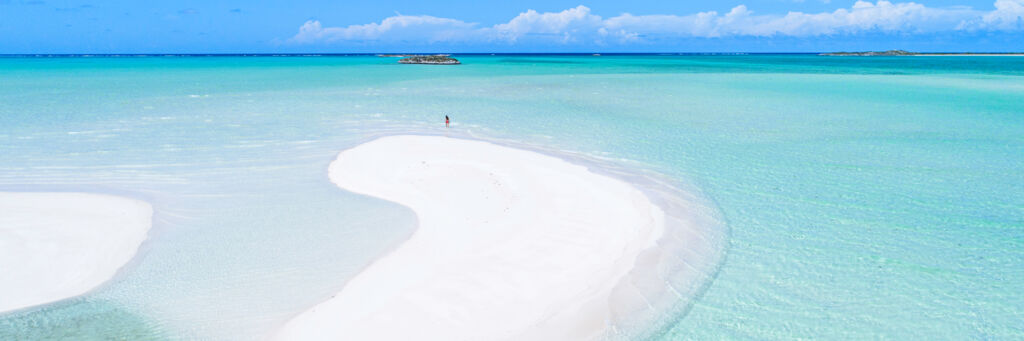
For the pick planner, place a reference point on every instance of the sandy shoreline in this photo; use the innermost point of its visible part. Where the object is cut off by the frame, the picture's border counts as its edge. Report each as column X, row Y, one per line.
column 60, row 245
column 512, row 244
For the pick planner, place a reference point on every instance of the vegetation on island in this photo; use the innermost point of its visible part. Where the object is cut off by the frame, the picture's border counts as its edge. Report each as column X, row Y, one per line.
column 434, row 60
column 907, row 53
column 872, row 53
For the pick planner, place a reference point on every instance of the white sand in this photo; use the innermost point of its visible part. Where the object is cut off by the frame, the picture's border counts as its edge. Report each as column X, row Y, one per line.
column 511, row 244
column 59, row 245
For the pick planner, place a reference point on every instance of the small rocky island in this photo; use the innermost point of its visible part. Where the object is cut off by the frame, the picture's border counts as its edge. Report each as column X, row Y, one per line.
column 433, row 60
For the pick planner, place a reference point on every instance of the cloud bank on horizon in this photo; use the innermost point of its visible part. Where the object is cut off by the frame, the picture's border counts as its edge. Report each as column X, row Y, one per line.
column 581, row 27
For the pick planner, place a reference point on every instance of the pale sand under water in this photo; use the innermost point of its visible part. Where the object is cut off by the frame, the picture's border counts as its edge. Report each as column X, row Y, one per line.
column 511, row 244
column 59, row 245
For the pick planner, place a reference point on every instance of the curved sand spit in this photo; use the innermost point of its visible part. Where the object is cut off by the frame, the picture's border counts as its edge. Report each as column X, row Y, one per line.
column 511, row 244
column 59, row 245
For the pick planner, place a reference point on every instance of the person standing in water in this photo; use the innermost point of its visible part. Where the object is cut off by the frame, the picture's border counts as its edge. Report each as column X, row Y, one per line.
column 446, row 121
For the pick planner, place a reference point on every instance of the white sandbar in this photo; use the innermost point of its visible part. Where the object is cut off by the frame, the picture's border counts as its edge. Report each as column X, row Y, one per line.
column 59, row 245
column 511, row 244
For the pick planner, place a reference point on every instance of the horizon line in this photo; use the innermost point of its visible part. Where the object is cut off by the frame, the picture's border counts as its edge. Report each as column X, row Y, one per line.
column 315, row 54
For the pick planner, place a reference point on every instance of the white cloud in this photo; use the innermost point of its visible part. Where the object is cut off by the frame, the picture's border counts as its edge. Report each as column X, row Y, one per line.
column 704, row 24
column 579, row 25
column 863, row 16
column 1009, row 15
column 562, row 26
column 397, row 28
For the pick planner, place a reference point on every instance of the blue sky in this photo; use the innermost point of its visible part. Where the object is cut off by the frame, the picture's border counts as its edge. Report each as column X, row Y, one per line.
column 62, row 26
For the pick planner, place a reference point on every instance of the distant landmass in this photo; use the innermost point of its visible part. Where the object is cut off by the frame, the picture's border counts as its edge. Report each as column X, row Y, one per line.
column 872, row 53
column 908, row 53
column 410, row 54
column 437, row 59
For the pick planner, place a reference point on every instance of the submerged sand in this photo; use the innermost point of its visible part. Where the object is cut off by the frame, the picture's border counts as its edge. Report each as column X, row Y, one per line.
column 59, row 245
column 511, row 244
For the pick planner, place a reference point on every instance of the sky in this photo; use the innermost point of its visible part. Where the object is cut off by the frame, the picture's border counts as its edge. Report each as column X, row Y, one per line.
column 322, row 26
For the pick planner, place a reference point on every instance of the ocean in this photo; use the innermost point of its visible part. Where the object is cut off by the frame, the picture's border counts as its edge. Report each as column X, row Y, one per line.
column 861, row 197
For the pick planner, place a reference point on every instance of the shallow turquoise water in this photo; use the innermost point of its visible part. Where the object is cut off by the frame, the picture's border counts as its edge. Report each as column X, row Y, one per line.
column 864, row 197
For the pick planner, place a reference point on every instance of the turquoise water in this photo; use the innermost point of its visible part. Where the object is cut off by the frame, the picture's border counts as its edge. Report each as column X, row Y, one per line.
column 863, row 197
